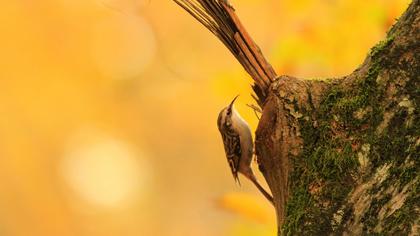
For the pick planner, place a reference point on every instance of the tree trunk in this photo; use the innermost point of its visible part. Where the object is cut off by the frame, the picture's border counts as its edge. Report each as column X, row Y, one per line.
column 342, row 156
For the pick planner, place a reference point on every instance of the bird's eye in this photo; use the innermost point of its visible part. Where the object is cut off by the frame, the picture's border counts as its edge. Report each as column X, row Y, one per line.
column 228, row 112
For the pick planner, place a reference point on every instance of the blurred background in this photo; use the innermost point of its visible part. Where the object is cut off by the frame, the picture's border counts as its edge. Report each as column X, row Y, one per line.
column 108, row 109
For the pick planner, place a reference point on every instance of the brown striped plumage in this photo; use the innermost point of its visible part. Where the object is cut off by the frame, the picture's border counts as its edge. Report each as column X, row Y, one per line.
column 238, row 144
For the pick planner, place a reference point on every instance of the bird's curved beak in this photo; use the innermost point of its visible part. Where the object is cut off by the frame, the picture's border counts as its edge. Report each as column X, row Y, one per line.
column 233, row 101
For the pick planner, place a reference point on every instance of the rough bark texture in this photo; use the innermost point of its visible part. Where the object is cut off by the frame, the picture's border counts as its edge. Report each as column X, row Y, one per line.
column 342, row 156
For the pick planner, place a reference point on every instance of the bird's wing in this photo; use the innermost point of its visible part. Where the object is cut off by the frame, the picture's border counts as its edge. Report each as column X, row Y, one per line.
column 232, row 144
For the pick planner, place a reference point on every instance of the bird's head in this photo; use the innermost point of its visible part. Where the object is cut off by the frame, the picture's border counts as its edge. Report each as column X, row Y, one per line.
column 225, row 115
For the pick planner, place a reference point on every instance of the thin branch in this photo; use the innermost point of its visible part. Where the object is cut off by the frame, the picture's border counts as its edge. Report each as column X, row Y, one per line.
column 220, row 18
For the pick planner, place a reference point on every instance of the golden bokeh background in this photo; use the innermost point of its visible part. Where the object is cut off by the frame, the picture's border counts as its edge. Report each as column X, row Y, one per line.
column 108, row 110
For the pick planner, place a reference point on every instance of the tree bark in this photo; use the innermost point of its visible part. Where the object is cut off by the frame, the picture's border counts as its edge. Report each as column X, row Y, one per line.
column 341, row 156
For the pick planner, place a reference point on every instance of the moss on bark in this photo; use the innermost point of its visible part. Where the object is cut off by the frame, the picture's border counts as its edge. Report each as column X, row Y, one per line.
column 358, row 169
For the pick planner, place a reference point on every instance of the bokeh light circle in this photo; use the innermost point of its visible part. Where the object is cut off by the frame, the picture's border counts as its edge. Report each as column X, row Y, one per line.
column 103, row 170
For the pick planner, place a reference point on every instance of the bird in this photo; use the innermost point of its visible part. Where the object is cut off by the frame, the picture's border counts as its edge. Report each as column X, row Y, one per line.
column 238, row 145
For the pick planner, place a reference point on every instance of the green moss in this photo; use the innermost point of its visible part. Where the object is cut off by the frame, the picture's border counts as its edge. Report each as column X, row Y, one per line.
column 399, row 223
column 297, row 210
column 381, row 45
column 370, row 218
column 327, row 162
column 395, row 145
column 323, row 175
